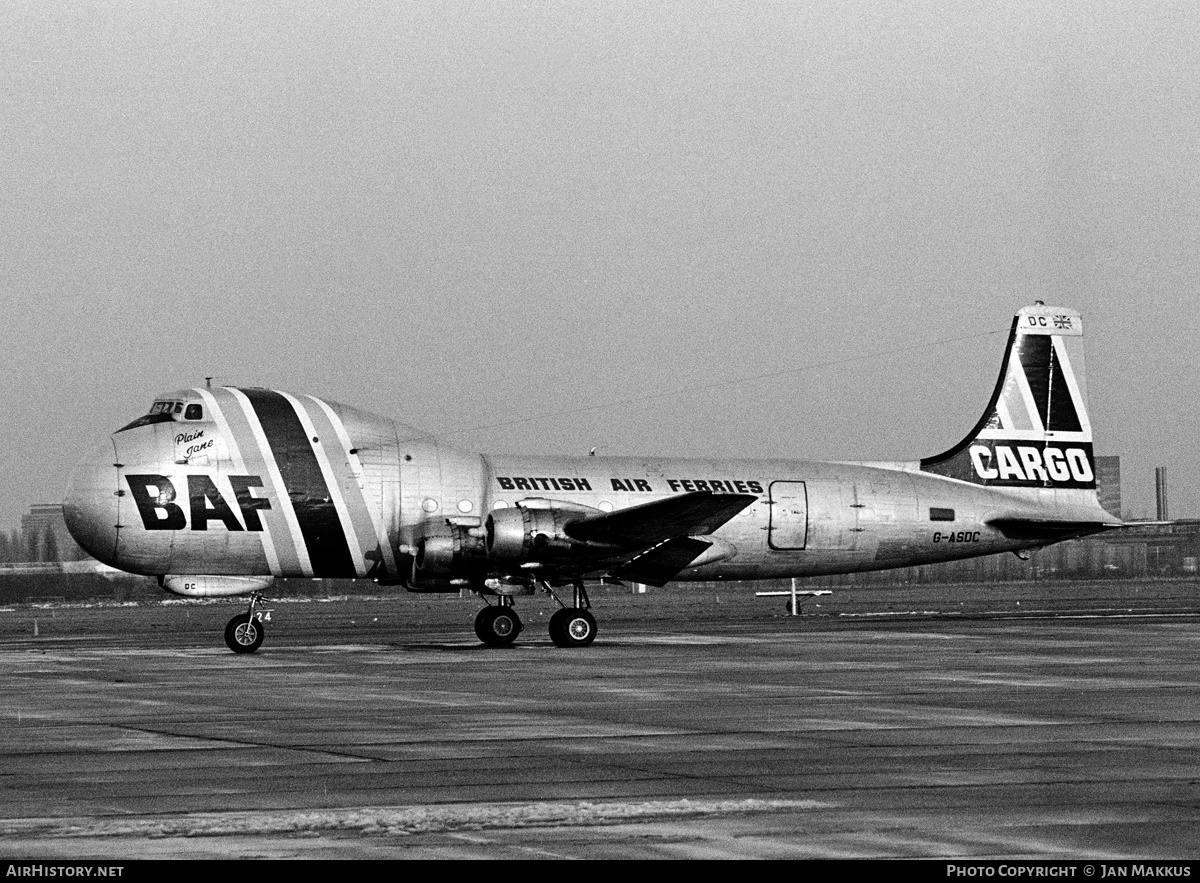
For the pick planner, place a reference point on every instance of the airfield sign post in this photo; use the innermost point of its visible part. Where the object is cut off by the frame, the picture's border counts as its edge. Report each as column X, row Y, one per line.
column 794, row 606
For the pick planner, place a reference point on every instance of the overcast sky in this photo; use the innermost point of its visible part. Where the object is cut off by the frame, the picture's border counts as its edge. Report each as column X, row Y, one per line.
column 463, row 214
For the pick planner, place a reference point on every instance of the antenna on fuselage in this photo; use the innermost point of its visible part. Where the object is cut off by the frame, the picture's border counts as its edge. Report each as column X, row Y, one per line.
column 208, row 383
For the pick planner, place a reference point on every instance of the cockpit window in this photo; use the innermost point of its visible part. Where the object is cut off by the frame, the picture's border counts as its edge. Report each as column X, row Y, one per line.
column 147, row 419
column 166, row 411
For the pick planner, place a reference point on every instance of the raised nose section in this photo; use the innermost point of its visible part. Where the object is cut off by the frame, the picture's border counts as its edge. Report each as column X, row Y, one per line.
column 90, row 507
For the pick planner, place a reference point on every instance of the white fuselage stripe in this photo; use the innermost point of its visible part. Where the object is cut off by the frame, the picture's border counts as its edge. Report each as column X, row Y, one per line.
column 385, row 548
column 281, row 491
column 235, row 456
column 332, row 483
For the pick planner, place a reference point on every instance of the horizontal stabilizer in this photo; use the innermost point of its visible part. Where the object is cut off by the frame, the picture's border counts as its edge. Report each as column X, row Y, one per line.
column 659, row 565
column 699, row 512
column 1049, row 530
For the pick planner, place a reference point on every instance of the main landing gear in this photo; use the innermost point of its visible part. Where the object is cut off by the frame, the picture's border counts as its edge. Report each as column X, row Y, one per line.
column 573, row 626
column 498, row 625
column 244, row 633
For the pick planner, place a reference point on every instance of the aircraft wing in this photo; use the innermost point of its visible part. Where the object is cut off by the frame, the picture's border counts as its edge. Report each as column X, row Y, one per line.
column 648, row 525
column 657, row 566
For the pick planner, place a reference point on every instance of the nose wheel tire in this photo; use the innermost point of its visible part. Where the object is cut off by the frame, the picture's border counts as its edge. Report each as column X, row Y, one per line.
column 497, row 626
column 572, row 627
column 244, row 633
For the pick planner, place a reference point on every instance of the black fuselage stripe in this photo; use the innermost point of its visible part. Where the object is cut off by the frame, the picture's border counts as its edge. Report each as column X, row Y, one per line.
column 322, row 529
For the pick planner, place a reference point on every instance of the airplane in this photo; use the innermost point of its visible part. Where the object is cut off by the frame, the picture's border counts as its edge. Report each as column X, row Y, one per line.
column 218, row 491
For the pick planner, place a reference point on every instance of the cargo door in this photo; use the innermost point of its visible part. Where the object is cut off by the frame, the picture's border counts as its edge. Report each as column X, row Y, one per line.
column 788, row 527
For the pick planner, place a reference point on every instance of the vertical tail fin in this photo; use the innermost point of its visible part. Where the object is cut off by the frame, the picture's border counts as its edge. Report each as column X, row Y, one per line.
column 1035, row 431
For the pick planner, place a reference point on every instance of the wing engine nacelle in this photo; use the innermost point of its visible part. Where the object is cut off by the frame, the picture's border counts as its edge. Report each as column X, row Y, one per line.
column 447, row 557
column 450, row 555
column 214, row 586
column 535, row 531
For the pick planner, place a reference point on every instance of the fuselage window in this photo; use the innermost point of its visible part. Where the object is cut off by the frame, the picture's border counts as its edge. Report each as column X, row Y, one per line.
column 194, row 412
column 936, row 514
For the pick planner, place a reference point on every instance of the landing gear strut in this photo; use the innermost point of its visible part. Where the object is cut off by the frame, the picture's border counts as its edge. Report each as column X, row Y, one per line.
column 244, row 633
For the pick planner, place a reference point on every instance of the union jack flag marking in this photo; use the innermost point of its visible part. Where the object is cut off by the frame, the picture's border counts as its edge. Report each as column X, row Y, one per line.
column 1062, row 322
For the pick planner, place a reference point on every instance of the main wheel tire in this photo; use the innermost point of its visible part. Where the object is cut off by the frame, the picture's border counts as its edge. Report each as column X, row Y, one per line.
column 572, row 627
column 497, row 626
column 244, row 634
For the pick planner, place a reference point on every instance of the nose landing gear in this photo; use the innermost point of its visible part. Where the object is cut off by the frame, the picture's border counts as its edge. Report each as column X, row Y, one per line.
column 244, row 633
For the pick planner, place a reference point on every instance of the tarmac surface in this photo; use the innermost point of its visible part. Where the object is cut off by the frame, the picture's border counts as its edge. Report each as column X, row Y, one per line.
column 1052, row 721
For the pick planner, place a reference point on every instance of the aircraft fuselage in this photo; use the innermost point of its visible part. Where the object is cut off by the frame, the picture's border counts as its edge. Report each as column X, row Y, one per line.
column 340, row 492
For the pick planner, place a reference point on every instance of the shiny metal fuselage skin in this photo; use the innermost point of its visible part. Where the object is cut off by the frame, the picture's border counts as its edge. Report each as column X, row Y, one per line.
column 341, row 492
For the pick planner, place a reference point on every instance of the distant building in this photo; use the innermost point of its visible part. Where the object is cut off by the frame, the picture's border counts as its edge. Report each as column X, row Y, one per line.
column 1108, row 484
column 43, row 520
